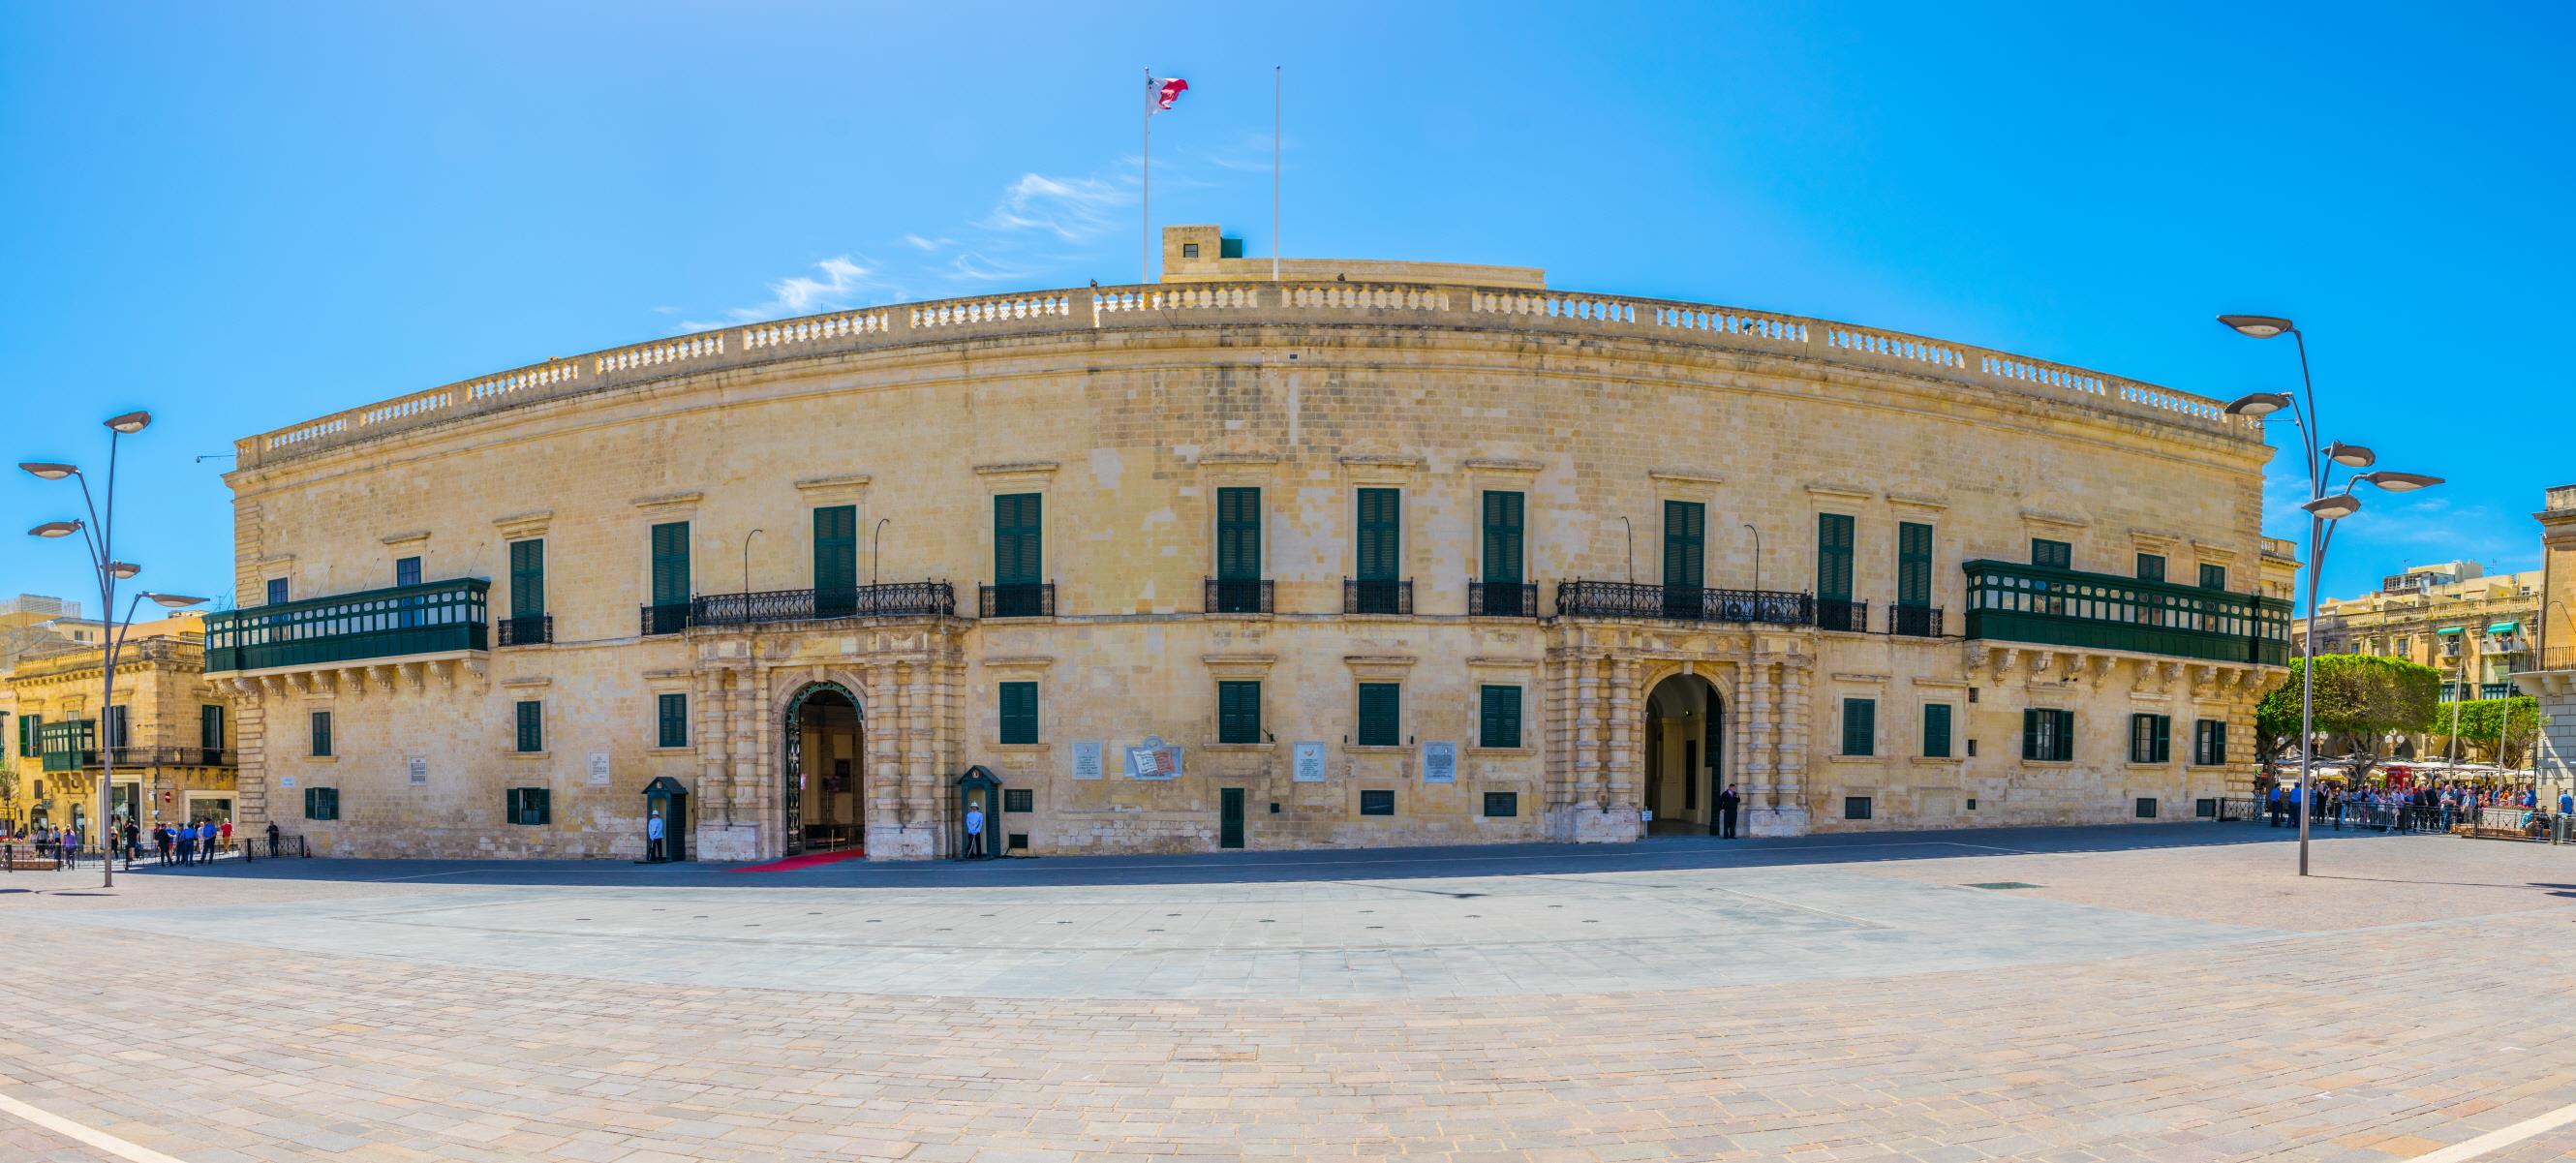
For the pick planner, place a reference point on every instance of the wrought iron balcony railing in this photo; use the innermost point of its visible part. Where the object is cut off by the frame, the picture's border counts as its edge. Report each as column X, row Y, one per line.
column 2014, row 602
column 429, row 618
column 524, row 630
column 1914, row 621
column 161, row 757
column 1604, row 599
column 1842, row 614
column 1227, row 595
column 1377, row 597
column 921, row 599
column 1017, row 600
column 1502, row 599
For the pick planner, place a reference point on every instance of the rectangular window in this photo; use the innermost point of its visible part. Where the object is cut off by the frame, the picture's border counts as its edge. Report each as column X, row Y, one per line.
column 1498, row 717
column 276, row 591
column 1503, row 514
column 532, row 726
column 2213, row 577
column 116, row 734
column 1856, row 807
column 2209, row 742
column 1377, row 803
column 1019, row 541
column 528, row 578
column 1380, row 721
column 1833, row 557
column 1913, row 564
column 2150, row 738
column 1685, row 546
column 210, row 727
column 1019, row 800
column 1238, row 534
column 836, row 559
column 320, row 724
column 1501, row 805
column 671, row 564
column 1238, row 712
column 2151, row 567
column 28, row 732
column 672, row 715
column 1936, row 730
column 1860, row 726
column 2146, row 808
column 406, row 571
column 2053, row 554
column 321, row 803
column 1379, row 552
column 1019, row 712
column 528, row 806
column 2048, row 735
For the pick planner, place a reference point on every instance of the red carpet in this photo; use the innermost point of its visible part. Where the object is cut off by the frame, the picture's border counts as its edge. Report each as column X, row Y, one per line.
column 808, row 860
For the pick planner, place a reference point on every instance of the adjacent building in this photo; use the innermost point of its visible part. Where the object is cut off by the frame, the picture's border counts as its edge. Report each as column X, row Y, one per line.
column 2552, row 676
column 168, row 736
column 2475, row 629
column 1370, row 553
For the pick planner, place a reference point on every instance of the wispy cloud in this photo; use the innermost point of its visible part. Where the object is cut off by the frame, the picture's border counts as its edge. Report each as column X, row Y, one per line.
column 1072, row 209
column 842, row 283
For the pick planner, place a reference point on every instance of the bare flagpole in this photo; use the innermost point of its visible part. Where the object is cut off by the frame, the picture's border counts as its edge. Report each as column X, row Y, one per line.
column 1145, row 219
column 1276, row 85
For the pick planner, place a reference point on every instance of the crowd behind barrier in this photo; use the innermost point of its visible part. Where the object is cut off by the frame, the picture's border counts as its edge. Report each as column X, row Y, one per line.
column 2490, row 813
column 181, row 845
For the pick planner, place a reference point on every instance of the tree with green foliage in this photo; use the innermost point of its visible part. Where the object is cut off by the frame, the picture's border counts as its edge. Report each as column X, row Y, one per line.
column 2361, row 701
column 2489, row 730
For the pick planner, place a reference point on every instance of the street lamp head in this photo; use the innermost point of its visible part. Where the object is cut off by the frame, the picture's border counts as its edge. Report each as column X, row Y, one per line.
column 48, row 470
column 131, row 422
column 121, row 570
column 2257, row 326
column 55, row 529
column 2257, row 404
column 176, row 601
column 2401, row 482
column 2334, row 507
column 2351, row 455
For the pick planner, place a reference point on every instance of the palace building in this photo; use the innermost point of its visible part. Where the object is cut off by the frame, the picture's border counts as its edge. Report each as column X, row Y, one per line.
column 1370, row 553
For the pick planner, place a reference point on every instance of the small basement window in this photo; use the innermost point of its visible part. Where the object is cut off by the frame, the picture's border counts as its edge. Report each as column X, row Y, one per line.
column 1377, row 803
column 1502, row 804
column 1856, row 807
column 2146, row 808
column 1019, row 799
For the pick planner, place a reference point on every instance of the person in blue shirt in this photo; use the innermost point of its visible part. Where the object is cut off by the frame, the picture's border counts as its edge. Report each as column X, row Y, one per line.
column 2275, row 805
column 2567, row 803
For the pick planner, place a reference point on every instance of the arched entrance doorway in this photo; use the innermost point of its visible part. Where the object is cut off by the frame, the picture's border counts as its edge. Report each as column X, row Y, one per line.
column 821, row 779
column 1685, row 736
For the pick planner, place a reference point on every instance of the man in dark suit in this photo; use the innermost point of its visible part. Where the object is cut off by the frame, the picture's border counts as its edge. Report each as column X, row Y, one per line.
column 1727, row 802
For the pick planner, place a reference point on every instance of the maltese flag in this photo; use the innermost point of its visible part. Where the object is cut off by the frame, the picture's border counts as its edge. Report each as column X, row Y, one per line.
column 1162, row 91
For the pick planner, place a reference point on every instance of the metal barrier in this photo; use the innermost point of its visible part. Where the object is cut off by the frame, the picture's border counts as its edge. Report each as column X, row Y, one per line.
column 258, row 847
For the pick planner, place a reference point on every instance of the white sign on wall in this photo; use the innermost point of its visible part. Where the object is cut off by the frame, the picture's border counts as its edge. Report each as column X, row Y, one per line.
column 287, row 782
column 1153, row 759
column 1439, row 762
column 1308, row 766
column 1086, row 758
column 599, row 769
column 418, row 766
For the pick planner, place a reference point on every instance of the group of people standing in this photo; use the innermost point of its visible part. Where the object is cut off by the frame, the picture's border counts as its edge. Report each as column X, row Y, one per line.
column 195, row 843
column 2426, row 808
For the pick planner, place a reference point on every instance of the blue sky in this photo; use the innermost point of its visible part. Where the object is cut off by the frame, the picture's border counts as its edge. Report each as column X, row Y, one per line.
column 244, row 215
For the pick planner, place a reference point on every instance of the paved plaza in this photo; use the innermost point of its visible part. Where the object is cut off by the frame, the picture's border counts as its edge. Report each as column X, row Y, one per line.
column 2156, row 992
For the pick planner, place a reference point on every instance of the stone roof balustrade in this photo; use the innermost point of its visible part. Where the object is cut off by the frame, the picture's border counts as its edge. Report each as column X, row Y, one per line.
column 1293, row 303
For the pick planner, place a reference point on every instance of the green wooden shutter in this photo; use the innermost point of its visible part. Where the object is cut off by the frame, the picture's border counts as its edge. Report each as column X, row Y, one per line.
column 1379, row 718
column 28, row 729
column 1238, row 712
column 674, row 715
column 1503, row 537
column 1936, row 730
column 1019, row 557
column 836, row 549
column 1913, row 564
column 321, row 730
column 1499, row 718
column 2164, row 739
column 527, row 578
column 1019, row 712
column 2218, row 741
column 532, row 730
column 116, row 736
column 2064, row 751
column 2213, row 577
column 2053, row 554
column 1238, row 534
column 1833, row 557
column 2151, row 567
column 1860, row 726
column 1685, row 544
column 1381, row 534
column 2030, row 734
column 671, row 564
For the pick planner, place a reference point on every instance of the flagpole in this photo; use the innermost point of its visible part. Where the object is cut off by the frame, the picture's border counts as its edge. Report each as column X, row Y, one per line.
column 1145, row 219
column 1276, row 85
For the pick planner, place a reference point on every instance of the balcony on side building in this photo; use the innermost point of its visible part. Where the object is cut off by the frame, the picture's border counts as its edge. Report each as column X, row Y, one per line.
column 1607, row 599
column 2014, row 602
column 429, row 618
column 921, row 599
column 144, row 757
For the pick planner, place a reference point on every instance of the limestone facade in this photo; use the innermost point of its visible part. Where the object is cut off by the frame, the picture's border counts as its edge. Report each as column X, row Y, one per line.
column 843, row 454
column 2476, row 630
column 2552, row 677
column 175, row 758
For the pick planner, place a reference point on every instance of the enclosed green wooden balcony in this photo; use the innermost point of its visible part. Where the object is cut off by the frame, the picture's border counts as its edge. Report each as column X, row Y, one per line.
column 429, row 618
column 2014, row 602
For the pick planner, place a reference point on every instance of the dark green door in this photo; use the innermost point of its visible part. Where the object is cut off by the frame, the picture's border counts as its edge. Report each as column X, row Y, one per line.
column 1685, row 557
column 1230, row 813
column 670, row 577
column 1238, row 551
column 836, row 561
column 1019, row 558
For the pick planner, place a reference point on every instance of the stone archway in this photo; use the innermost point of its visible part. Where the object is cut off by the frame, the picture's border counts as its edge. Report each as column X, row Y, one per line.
column 1684, row 750
column 822, row 778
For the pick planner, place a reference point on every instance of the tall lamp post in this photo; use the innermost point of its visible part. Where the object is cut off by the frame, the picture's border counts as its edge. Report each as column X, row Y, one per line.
column 98, row 532
column 2324, row 510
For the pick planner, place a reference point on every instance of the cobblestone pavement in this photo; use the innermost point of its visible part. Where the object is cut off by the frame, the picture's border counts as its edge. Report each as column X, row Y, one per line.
column 2154, row 994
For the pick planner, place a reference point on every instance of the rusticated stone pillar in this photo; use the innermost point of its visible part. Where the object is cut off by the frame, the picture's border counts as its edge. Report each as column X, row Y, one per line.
column 1627, row 740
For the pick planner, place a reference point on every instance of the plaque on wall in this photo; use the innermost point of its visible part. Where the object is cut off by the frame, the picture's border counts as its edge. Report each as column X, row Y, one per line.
column 1086, row 758
column 1308, row 765
column 1439, row 762
column 599, row 769
column 418, row 766
column 1153, row 759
